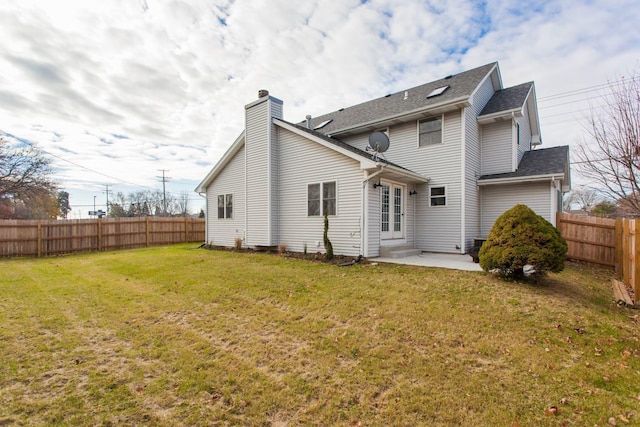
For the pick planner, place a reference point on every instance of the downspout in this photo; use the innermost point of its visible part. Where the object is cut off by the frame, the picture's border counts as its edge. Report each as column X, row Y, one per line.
column 269, row 172
column 463, row 196
column 553, row 200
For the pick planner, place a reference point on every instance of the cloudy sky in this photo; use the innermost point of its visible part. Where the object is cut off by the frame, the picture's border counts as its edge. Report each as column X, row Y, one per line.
column 117, row 90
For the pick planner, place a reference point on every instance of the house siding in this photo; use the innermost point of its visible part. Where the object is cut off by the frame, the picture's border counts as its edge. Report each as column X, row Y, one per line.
column 261, row 223
column 303, row 162
column 373, row 221
column 473, row 161
column 525, row 133
column 231, row 180
column 435, row 229
column 496, row 151
column 275, row 111
column 496, row 199
column 257, row 168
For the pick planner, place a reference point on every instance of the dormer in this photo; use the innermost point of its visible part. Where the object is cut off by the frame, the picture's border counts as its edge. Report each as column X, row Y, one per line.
column 509, row 127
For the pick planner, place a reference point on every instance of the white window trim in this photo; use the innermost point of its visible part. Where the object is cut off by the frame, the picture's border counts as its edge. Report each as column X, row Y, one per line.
column 446, row 197
column 321, row 183
column 441, row 131
column 224, row 212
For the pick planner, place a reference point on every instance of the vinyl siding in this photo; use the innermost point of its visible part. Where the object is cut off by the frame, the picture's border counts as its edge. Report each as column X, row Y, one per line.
column 473, row 161
column 496, row 199
column 437, row 229
column 373, row 221
column 230, row 181
column 496, row 151
column 261, row 170
column 275, row 111
column 257, row 166
column 525, row 133
column 303, row 162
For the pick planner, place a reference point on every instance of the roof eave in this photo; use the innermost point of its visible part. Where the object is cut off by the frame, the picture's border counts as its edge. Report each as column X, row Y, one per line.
column 409, row 175
column 226, row 157
column 500, row 115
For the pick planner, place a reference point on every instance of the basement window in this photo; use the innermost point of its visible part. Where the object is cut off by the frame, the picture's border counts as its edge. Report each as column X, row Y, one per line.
column 225, row 206
column 437, row 91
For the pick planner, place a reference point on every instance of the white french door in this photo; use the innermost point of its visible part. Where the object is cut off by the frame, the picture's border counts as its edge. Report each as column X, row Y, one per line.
column 392, row 211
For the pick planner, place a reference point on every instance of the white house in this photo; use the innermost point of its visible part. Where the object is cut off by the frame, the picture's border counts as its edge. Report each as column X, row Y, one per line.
column 462, row 150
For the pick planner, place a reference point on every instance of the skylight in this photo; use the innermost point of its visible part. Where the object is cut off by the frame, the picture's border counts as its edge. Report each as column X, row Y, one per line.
column 437, row 91
column 323, row 124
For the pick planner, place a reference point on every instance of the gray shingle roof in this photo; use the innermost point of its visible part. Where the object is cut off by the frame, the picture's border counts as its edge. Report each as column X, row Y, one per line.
column 543, row 161
column 460, row 85
column 507, row 99
column 349, row 147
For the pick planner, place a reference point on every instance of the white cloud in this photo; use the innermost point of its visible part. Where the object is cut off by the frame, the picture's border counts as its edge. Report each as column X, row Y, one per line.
column 171, row 77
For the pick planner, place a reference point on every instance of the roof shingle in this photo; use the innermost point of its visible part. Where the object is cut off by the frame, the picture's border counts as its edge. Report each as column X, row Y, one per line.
column 507, row 99
column 460, row 86
column 544, row 161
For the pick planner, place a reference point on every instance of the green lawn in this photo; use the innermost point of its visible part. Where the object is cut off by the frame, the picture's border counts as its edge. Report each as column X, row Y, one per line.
column 175, row 336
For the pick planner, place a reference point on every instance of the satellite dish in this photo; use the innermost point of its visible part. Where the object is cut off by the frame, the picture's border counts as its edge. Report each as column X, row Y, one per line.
column 379, row 142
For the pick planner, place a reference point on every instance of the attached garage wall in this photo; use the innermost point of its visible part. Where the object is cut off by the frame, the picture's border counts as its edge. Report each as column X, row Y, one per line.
column 496, row 199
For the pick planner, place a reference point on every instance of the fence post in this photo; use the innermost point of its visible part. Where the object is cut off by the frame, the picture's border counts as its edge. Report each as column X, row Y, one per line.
column 39, row 238
column 99, row 225
column 634, row 259
column 626, row 273
column 147, row 230
column 619, row 248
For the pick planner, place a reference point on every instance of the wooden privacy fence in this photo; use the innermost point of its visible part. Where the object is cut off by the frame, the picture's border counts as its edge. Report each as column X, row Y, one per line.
column 611, row 242
column 53, row 237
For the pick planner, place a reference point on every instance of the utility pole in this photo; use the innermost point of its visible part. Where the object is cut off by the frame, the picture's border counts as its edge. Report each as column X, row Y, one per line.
column 164, row 190
column 106, row 191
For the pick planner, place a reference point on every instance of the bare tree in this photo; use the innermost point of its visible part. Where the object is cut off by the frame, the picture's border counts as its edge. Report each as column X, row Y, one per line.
column 26, row 187
column 183, row 203
column 610, row 153
column 584, row 198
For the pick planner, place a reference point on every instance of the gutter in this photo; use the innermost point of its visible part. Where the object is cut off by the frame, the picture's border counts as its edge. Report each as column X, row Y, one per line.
column 519, row 179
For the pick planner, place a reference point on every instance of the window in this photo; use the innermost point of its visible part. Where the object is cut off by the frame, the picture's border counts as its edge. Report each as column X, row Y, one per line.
column 321, row 198
column 430, row 131
column 437, row 196
column 225, row 206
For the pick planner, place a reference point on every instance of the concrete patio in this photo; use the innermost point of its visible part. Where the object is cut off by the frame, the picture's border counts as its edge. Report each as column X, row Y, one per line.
column 431, row 259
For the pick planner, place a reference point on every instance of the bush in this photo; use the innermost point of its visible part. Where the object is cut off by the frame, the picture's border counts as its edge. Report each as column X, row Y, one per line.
column 521, row 237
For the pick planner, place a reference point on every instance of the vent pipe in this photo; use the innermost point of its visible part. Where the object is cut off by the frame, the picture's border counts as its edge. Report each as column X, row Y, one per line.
column 308, row 121
column 262, row 93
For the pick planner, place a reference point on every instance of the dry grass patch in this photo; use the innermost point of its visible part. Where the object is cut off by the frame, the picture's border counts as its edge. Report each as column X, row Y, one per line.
column 172, row 336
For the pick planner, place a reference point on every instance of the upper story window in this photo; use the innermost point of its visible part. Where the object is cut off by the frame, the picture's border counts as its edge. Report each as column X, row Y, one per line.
column 437, row 196
column 321, row 198
column 430, row 131
column 225, row 206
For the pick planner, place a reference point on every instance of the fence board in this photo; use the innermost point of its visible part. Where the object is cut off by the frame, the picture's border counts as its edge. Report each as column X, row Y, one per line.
column 43, row 238
column 611, row 242
column 589, row 239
